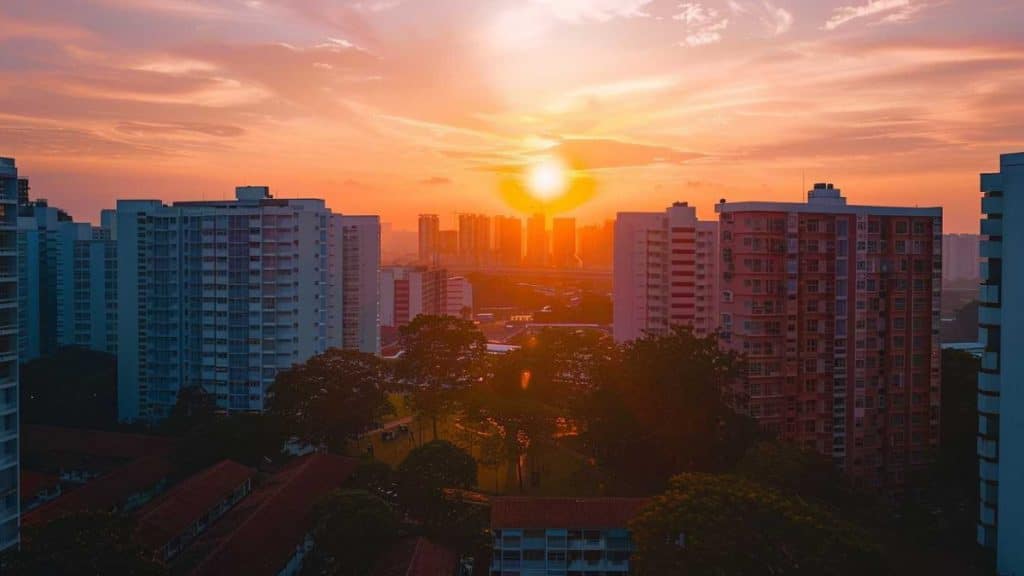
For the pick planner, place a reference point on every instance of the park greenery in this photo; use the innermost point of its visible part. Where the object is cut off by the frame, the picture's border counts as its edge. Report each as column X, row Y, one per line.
column 656, row 418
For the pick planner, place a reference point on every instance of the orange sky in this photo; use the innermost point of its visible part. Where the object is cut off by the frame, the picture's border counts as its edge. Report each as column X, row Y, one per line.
column 399, row 107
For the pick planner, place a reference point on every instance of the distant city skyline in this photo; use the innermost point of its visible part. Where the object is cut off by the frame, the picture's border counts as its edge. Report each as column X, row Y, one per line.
column 399, row 108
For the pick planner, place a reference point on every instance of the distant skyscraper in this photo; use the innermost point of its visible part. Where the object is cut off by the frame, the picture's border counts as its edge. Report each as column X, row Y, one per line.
column 837, row 309
column 449, row 246
column 508, row 240
column 459, row 294
column 960, row 258
column 474, row 239
column 597, row 245
column 224, row 294
column 1001, row 380
column 407, row 292
column 536, row 241
column 69, row 274
column 10, row 507
column 563, row 242
column 665, row 272
column 430, row 239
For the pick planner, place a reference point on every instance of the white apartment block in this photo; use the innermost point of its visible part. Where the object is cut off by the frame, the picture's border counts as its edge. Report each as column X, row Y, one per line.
column 458, row 296
column 225, row 294
column 665, row 272
column 10, row 506
column 67, row 272
column 407, row 292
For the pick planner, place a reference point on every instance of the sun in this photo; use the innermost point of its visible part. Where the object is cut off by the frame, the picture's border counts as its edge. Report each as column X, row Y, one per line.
column 547, row 179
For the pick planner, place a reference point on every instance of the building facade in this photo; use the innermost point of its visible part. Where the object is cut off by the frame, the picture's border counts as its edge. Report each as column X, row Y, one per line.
column 459, row 297
column 562, row 536
column 10, row 504
column 536, row 241
column 474, row 239
column 68, row 274
column 836, row 308
column 563, row 243
column 664, row 273
column 960, row 258
column 1000, row 396
column 225, row 294
column 508, row 240
column 429, row 239
column 407, row 292
column 597, row 245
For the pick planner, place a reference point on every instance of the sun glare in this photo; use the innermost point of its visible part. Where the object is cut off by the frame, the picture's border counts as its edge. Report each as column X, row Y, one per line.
column 547, row 179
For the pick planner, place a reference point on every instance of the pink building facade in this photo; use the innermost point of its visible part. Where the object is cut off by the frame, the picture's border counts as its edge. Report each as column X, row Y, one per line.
column 836, row 308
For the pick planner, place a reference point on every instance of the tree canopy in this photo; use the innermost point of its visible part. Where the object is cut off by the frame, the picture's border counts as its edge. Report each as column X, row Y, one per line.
column 330, row 397
column 426, row 472
column 75, row 387
column 353, row 528
column 724, row 525
column 83, row 544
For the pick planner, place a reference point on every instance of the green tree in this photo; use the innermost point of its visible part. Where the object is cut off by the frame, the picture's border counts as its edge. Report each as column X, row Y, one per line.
column 352, row 529
column 330, row 397
column 666, row 407
column 442, row 356
column 424, row 475
column 795, row 470
column 725, row 525
column 75, row 387
column 374, row 476
column 83, row 544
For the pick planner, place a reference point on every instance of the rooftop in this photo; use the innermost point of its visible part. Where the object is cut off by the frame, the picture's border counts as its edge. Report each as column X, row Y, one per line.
column 115, row 445
column 541, row 513
column 417, row 557
column 260, row 534
column 163, row 519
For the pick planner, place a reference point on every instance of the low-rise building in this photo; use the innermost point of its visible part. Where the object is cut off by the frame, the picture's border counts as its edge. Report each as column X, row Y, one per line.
column 562, row 536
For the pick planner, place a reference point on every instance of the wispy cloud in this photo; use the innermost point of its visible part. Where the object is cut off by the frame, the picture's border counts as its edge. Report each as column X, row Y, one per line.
column 599, row 10
column 703, row 25
column 889, row 10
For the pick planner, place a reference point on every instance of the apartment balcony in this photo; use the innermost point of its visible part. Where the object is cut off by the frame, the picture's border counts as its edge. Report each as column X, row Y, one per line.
column 992, row 182
column 989, row 316
column 988, row 294
column 988, row 382
column 988, row 404
column 990, row 248
column 992, row 227
column 992, row 205
column 988, row 448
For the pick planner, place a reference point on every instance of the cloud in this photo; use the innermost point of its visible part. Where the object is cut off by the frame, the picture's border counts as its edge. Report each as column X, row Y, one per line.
column 144, row 128
column 598, row 10
column 703, row 25
column 436, row 181
column 602, row 153
column 893, row 10
column 779, row 20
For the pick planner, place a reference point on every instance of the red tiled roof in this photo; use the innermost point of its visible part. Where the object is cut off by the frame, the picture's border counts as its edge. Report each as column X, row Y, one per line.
column 163, row 519
column 261, row 534
column 33, row 482
column 93, row 442
column 417, row 557
column 105, row 492
column 539, row 513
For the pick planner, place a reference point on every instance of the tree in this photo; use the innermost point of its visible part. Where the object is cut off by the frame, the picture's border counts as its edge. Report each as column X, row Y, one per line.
column 424, row 475
column 85, row 544
column 352, row 529
column 330, row 397
column 374, row 476
column 75, row 387
column 666, row 407
column 725, row 525
column 442, row 355
column 795, row 470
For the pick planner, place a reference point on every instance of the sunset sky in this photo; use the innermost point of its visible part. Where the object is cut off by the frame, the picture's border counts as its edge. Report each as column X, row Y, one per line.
column 399, row 107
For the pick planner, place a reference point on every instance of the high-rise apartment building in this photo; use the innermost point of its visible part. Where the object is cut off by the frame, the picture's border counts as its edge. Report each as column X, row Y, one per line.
column 1000, row 391
column 225, row 294
column 406, row 292
column 448, row 241
column 508, row 240
column 563, row 242
column 665, row 272
column 536, row 241
column 10, row 502
column 836, row 307
column 68, row 274
column 429, row 239
column 474, row 239
column 597, row 245
column 960, row 258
